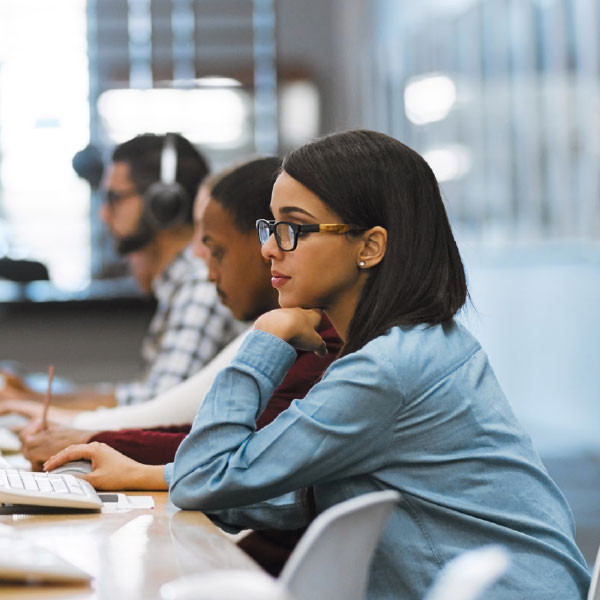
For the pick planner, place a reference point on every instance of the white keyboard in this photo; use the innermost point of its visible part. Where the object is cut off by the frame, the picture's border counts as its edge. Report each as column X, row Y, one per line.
column 22, row 560
column 47, row 489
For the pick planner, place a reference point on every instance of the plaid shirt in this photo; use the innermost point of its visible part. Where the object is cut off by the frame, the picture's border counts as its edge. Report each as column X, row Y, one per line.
column 190, row 326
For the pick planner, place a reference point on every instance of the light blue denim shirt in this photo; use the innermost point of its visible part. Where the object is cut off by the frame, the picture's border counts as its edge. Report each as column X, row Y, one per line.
column 417, row 410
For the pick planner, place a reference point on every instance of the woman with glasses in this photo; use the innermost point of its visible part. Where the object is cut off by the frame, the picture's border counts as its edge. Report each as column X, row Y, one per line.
column 411, row 403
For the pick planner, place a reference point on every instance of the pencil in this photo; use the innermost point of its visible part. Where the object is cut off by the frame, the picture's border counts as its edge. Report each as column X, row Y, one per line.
column 47, row 398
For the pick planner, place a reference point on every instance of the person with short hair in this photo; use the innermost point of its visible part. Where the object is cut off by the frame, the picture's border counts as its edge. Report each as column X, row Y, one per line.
column 226, row 210
column 149, row 189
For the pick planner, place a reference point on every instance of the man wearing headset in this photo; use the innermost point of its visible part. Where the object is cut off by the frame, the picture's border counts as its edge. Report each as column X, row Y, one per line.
column 149, row 190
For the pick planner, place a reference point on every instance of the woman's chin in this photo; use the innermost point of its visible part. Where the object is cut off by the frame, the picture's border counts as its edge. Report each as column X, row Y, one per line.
column 288, row 300
column 284, row 300
column 287, row 304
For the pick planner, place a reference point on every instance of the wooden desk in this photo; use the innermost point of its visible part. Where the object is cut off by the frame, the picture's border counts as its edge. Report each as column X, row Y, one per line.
column 129, row 554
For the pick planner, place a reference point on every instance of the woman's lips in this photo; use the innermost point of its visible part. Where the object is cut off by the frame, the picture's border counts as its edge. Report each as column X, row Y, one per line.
column 278, row 279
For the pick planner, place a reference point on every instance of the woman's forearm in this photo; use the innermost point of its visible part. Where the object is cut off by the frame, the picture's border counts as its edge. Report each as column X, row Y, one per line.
column 149, row 477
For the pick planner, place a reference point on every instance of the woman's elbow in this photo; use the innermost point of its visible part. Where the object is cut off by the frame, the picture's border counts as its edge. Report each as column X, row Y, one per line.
column 183, row 496
column 194, row 497
column 185, row 501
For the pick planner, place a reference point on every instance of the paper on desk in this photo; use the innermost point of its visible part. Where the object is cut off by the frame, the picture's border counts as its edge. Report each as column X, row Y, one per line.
column 125, row 503
column 139, row 501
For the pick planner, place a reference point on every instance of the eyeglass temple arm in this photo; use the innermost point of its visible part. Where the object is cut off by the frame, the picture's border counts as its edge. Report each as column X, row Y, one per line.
column 336, row 228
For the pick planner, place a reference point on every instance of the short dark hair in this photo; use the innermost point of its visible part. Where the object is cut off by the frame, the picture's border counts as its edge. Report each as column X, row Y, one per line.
column 370, row 179
column 245, row 191
column 143, row 155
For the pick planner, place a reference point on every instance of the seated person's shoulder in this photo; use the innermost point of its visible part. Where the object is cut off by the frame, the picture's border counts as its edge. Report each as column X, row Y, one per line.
column 417, row 354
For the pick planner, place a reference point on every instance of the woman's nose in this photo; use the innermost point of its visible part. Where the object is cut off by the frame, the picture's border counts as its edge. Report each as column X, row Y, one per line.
column 270, row 248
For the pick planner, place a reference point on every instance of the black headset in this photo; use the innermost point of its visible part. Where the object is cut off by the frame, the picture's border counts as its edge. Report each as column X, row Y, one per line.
column 166, row 203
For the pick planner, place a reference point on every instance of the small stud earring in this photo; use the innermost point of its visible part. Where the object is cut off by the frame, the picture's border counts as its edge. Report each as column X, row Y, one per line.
column 361, row 263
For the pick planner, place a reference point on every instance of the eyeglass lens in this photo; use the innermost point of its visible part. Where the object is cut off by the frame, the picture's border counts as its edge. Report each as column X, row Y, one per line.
column 263, row 232
column 284, row 234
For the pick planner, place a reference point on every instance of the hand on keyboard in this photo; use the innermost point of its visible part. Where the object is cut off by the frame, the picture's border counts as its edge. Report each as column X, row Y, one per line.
column 111, row 469
column 47, row 489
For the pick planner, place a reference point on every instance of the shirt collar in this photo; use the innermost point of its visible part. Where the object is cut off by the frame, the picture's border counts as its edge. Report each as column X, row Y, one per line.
column 174, row 274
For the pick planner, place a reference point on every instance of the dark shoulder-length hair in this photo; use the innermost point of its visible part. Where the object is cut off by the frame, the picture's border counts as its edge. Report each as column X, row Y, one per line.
column 370, row 179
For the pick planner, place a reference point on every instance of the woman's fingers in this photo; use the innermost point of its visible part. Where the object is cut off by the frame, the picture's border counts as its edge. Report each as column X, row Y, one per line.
column 306, row 336
column 297, row 326
column 111, row 470
column 74, row 452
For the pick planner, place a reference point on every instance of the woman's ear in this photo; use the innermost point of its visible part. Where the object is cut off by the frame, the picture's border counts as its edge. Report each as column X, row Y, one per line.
column 374, row 242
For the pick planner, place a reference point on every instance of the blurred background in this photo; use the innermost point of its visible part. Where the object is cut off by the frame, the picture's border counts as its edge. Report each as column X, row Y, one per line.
column 502, row 98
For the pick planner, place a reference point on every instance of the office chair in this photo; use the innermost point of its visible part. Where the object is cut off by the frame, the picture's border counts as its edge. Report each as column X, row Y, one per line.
column 331, row 560
column 333, row 557
column 470, row 574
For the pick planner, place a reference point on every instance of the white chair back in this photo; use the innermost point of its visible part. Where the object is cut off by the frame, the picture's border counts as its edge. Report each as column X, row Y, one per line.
column 594, row 591
column 225, row 584
column 332, row 558
column 467, row 576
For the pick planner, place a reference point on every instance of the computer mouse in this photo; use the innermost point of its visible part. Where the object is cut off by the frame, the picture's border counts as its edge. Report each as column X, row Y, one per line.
column 75, row 467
